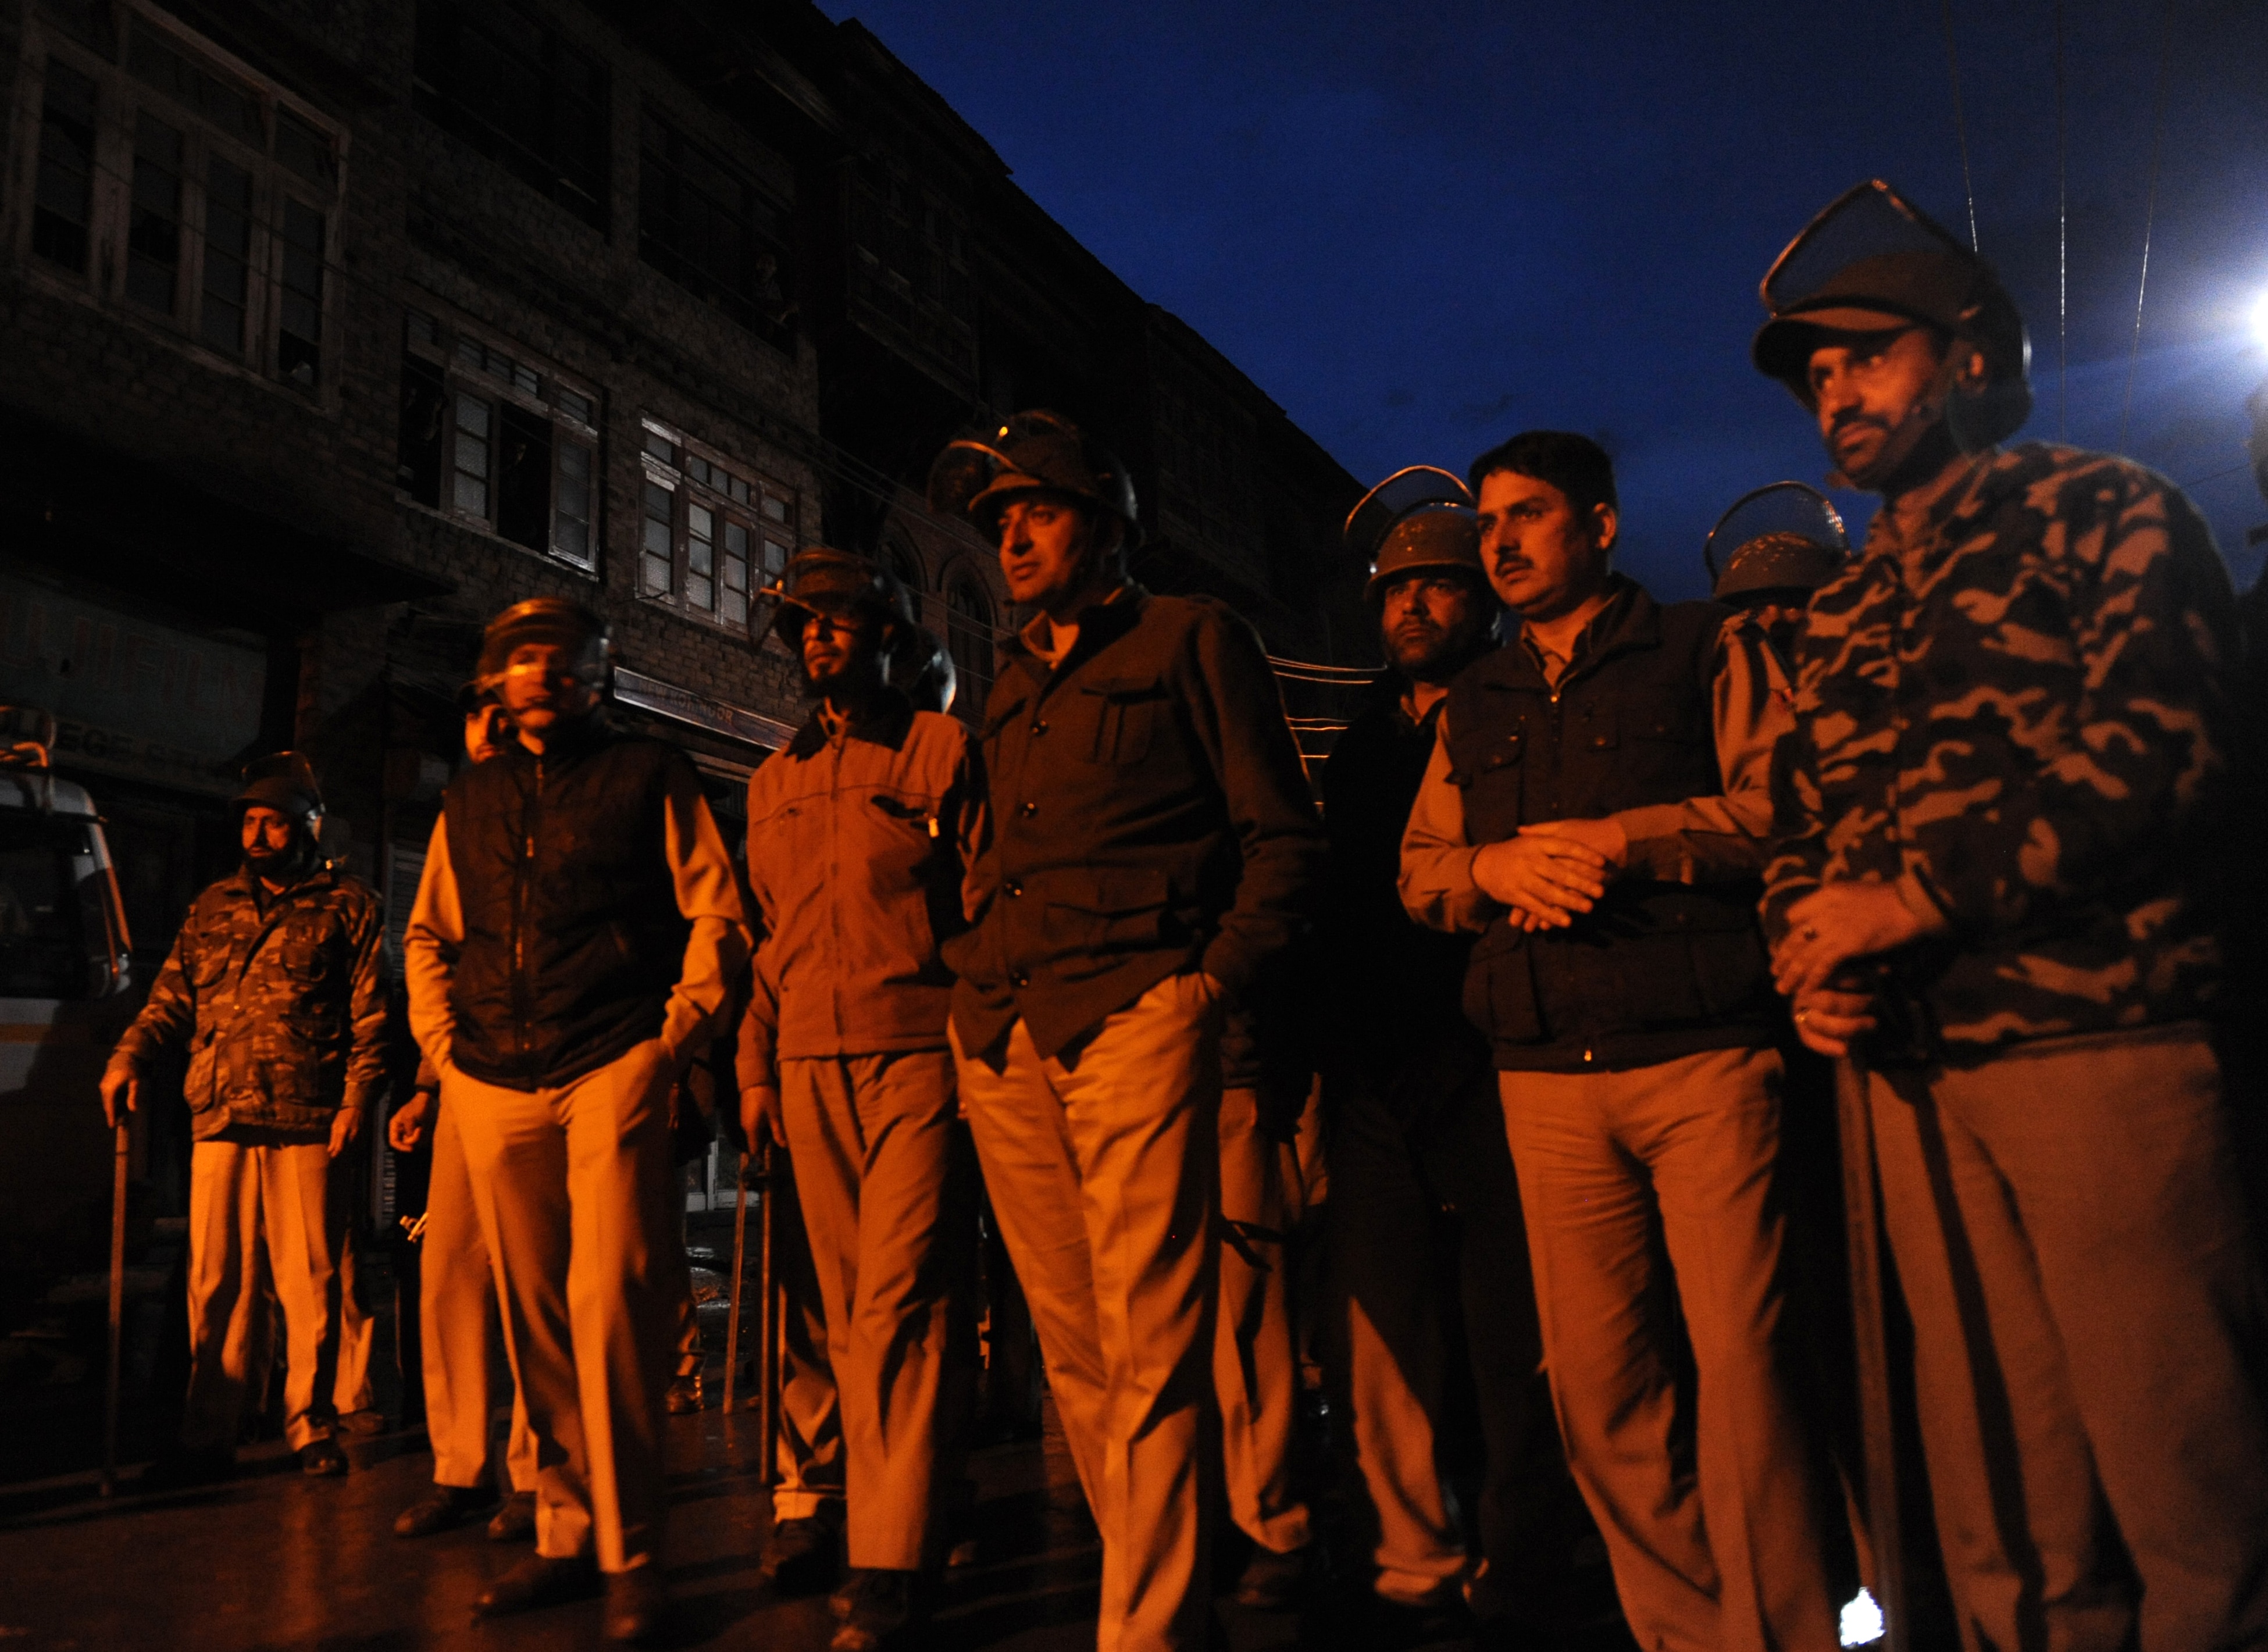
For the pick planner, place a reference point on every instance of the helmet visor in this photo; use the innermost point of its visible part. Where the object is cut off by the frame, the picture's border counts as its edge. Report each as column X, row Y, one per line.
column 1871, row 222
column 1791, row 508
column 1406, row 490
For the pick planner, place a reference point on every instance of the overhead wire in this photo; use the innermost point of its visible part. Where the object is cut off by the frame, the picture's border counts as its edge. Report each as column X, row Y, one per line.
column 2149, row 216
column 2063, row 243
column 1960, row 121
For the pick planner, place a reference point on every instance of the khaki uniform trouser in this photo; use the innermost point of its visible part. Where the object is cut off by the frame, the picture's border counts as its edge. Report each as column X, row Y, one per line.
column 457, row 1300
column 809, row 1455
column 1255, row 1355
column 574, row 1187
column 1636, row 1185
column 872, row 1141
column 1428, row 1255
column 2072, row 1241
column 262, row 1217
column 1101, row 1171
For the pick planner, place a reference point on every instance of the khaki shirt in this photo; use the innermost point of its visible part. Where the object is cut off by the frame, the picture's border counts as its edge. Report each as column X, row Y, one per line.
column 857, row 845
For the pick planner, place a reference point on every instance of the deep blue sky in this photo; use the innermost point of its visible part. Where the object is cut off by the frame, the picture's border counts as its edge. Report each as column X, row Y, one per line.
column 1420, row 230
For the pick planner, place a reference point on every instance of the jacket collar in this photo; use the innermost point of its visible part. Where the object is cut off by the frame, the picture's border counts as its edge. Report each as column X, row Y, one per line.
column 1100, row 623
column 1630, row 619
column 884, row 720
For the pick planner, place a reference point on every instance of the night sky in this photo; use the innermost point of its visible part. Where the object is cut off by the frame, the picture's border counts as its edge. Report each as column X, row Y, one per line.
column 1420, row 230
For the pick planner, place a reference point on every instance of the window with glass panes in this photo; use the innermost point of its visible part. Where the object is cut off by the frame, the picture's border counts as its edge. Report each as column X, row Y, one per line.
column 221, row 230
column 497, row 442
column 712, row 537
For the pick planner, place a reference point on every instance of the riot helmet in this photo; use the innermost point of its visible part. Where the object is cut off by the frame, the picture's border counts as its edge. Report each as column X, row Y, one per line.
column 1036, row 451
column 285, row 782
column 1419, row 519
column 1785, row 536
column 1874, row 262
column 823, row 580
column 566, row 624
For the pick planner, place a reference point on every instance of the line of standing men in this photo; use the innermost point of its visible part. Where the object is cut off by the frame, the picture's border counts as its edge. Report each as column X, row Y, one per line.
column 1983, row 824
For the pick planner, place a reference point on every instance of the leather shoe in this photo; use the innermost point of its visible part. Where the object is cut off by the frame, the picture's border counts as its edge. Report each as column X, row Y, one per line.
column 1273, row 1582
column 637, row 1603
column 321, row 1459
column 685, row 1395
column 440, row 1508
column 802, row 1557
column 538, row 1581
column 515, row 1522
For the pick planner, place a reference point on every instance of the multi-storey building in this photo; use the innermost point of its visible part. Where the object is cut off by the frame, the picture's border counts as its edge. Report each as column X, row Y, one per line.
column 332, row 329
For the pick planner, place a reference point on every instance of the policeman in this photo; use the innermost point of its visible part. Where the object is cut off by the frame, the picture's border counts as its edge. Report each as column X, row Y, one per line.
column 1153, row 850
column 277, row 987
column 859, row 836
column 1783, row 541
column 575, row 930
column 2004, row 810
column 1427, row 1254
column 457, row 1296
column 1596, row 809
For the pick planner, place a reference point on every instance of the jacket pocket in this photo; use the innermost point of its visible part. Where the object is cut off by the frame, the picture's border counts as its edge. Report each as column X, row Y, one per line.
column 1124, row 712
column 1106, row 911
column 1499, row 996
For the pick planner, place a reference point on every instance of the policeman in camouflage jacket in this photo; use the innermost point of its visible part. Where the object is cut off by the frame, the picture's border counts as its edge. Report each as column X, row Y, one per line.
column 2000, row 831
column 276, row 984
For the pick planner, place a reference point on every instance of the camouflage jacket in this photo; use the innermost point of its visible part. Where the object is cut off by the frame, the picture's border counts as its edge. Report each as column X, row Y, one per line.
column 283, row 1012
column 2017, row 708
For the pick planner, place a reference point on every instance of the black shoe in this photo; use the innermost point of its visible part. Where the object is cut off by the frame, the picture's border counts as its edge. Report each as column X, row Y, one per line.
column 515, row 1522
column 321, row 1459
column 803, row 1556
column 685, row 1395
column 1274, row 1582
column 182, row 1468
column 877, row 1610
column 539, row 1581
column 440, row 1508
column 637, row 1602
column 363, row 1421
column 1431, row 1624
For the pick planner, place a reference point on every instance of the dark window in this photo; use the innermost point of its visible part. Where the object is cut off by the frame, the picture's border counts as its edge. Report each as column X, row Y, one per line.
column 470, row 447
column 305, row 150
column 299, row 339
column 64, row 203
column 153, row 237
column 712, row 232
column 969, row 639
column 425, row 426
column 153, row 59
column 46, row 876
column 228, row 255
column 507, row 84
column 657, row 551
column 524, row 477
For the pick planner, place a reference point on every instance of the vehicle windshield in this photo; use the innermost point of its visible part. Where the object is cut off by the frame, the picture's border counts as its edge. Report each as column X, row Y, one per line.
column 47, row 871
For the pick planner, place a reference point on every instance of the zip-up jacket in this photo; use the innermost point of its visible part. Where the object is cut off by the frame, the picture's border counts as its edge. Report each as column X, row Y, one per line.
column 858, row 847
column 2015, row 706
column 573, row 905
column 281, row 1000
column 1149, row 817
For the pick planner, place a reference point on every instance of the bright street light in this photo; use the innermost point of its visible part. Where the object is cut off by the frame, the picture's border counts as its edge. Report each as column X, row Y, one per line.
column 2260, row 318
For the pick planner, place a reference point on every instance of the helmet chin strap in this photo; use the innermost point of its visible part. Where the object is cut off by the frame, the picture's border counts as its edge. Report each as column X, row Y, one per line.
column 1919, row 418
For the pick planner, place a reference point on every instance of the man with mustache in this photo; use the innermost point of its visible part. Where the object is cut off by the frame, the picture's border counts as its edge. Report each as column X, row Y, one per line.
column 1151, row 853
column 275, row 988
column 857, row 838
column 1595, row 808
column 2005, row 851
column 575, row 932
column 1427, row 1257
